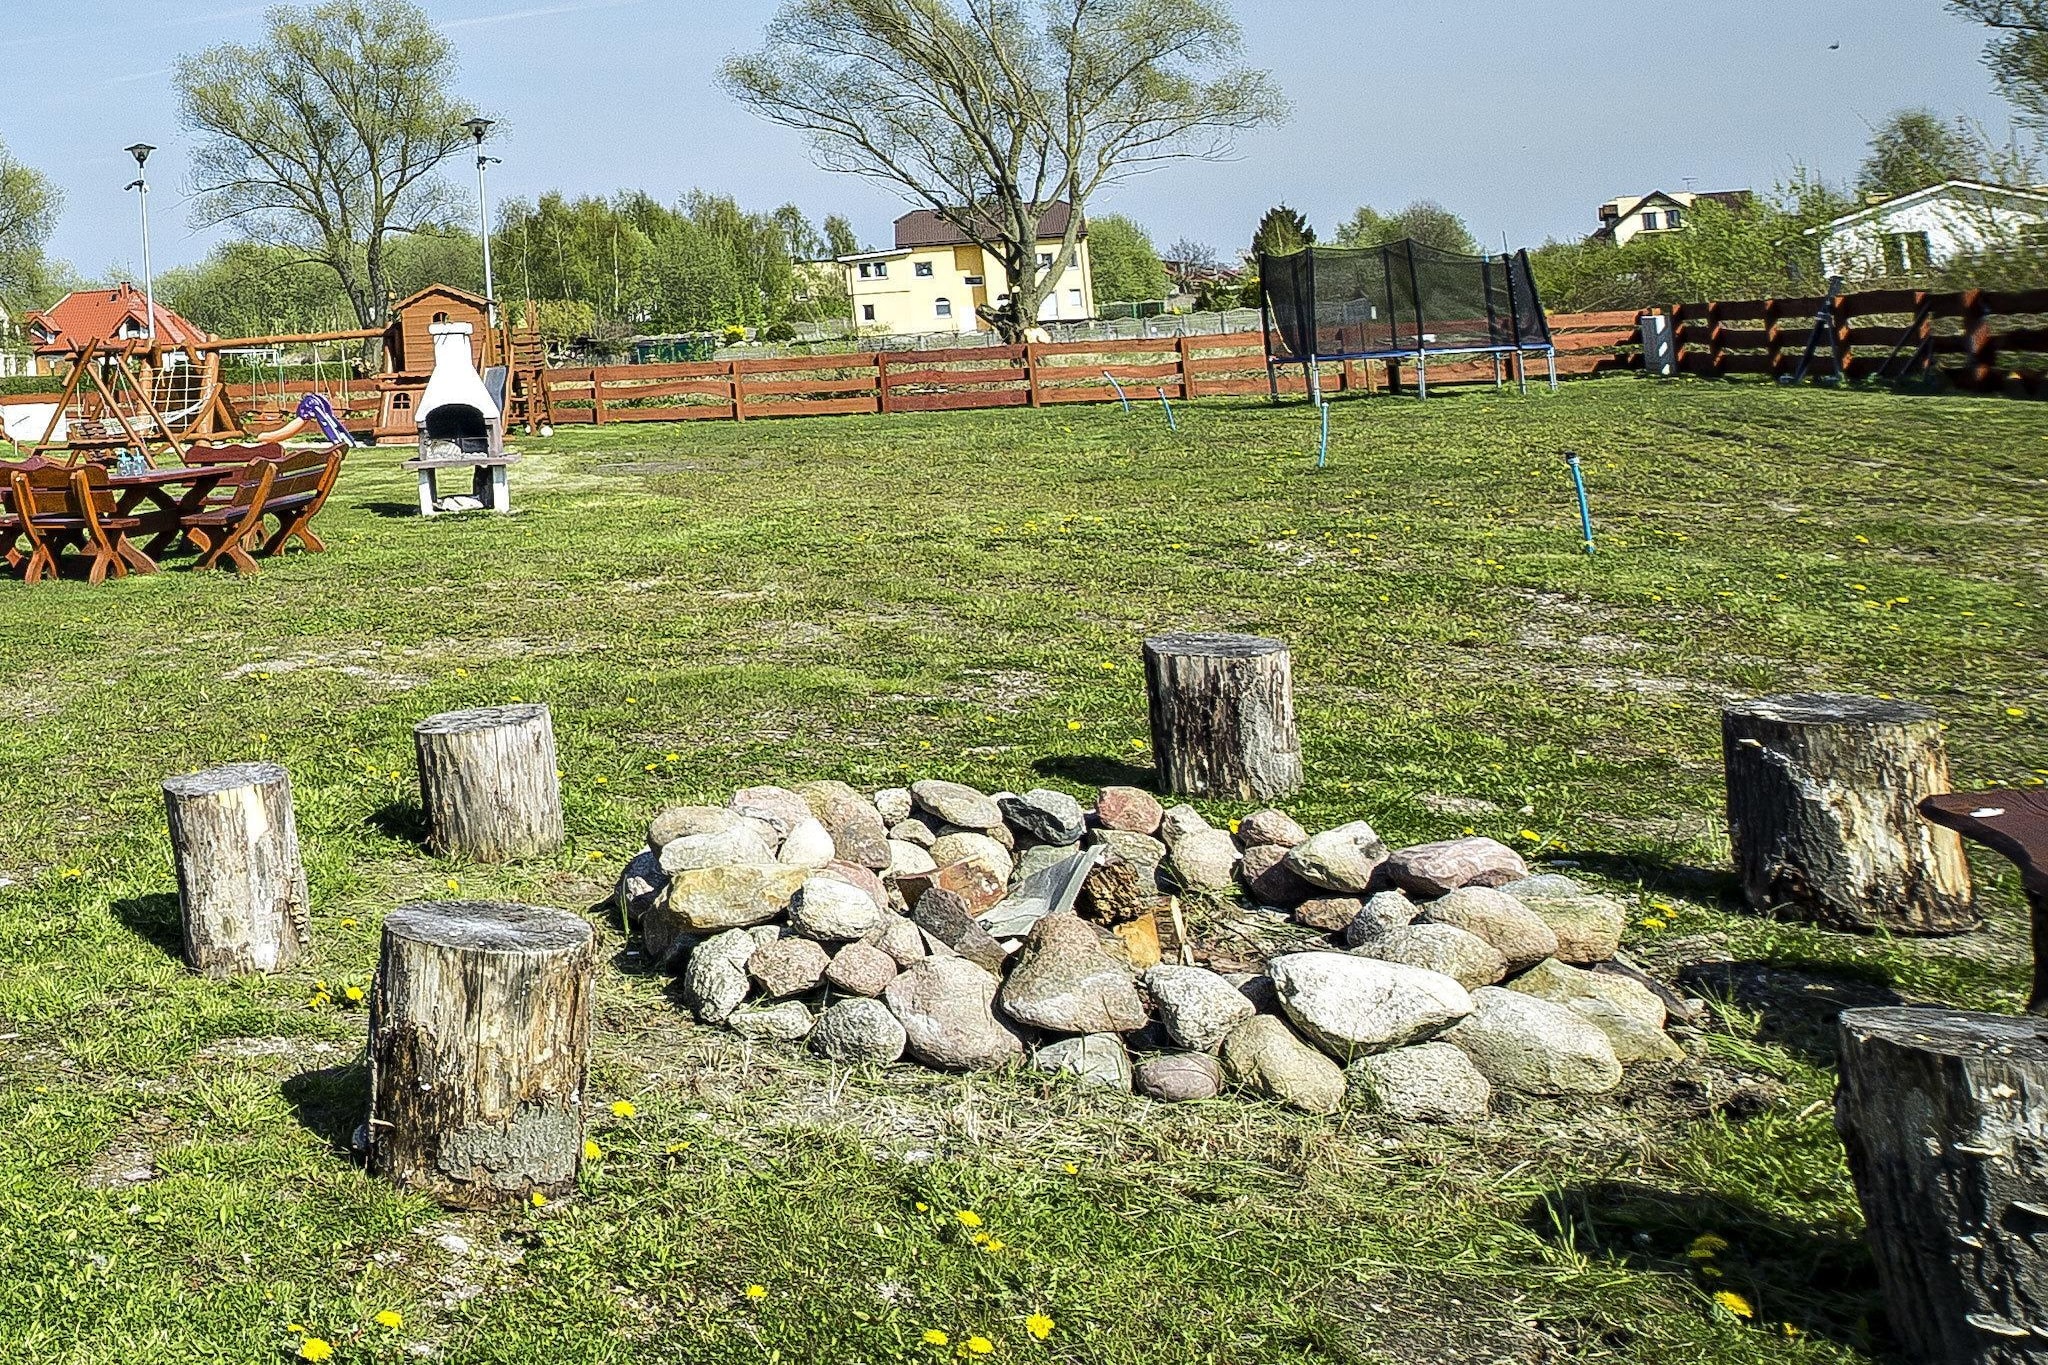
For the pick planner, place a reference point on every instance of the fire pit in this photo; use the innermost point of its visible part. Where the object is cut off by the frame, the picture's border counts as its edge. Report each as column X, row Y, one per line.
column 461, row 420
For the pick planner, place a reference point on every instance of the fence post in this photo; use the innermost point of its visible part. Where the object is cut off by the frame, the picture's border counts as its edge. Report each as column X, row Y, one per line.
column 1031, row 372
column 1187, row 373
column 1845, row 309
column 1715, row 356
column 597, row 397
column 1774, row 344
column 882, row 403
column 739, row 391
column 1980, row 350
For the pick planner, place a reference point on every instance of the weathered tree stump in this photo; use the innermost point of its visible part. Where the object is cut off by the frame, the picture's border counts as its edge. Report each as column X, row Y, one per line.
column 1945, row 1117
column 1823, row 793
column 479, row 1032
column 241, row 886
column 1223, row 716
column 488, row 783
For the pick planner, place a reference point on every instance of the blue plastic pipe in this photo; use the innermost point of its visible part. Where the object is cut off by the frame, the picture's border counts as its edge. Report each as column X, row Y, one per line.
column 1121, row 397
column 1571, row 457
column 1171, row 425
column 1323, row 450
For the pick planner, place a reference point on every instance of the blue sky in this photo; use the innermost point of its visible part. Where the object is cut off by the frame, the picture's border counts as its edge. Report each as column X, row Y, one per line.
column 1521, row 116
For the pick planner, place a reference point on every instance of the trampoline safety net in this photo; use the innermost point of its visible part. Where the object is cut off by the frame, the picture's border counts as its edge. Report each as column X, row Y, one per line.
column 1398, row 299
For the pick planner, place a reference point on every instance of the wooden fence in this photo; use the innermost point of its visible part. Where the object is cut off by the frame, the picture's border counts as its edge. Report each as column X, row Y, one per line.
column 1982, row 340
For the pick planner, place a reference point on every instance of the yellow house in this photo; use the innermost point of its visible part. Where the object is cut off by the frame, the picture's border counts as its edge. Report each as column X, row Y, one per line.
column 935, row 280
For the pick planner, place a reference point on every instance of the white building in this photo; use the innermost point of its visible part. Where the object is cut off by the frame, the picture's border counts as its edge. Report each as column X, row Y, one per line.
column 1925, row 230
column 1628, row 216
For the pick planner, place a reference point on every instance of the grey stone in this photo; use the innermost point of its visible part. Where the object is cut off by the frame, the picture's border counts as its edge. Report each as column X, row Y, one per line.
column 640, row 885
column 780, row 807
column 1000, row 835
column 859, row 1030
column 784, row 1023
column 1427, row 1083
column 677, row 821
column 1094, row 1059
column 1179, row 822
column 914, row 831
column 855, row 875
column 851, row 819
column 1326, row 914
column 1039, row 857
column 720, row 848
column 1141, row 850
column 1269, row 880
column 711, row 899
column 1174, row 1077
column 1383, row 911
column 901, row 939
column 1048, row 816
column 1270, row 827
column 786, row 967
column 1629, row 1013
column 1263, row 1055
column 944, row 1004
column 1517, row 931
column 1541, row 886
column 955, row 804
column 833, row 911
column 1196, row 1006
column 1352, row 1005
column 1467, row 959
column 1521, row 1043
column 1588, row 927
column 1341, row 859
column 1205, row 860
column 894, row 804
column 1433, row 869
column 948, row 920
column 908, row 860
column 967, row 847
column 1064, row 981
column 862, row 969
column 1050, row 891
column 715, row 978
column 808, row 844
column 1131, row 809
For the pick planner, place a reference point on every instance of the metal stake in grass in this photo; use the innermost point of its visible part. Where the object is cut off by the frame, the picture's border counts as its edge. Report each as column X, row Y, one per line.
column 1571, row 457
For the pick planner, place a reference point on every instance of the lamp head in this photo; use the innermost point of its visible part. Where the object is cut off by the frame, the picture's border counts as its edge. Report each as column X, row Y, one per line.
column 140, row 151
column 480, row 128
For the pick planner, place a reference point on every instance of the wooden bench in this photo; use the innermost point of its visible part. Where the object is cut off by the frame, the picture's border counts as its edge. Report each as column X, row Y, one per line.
column 292, row 489
column 59, row 510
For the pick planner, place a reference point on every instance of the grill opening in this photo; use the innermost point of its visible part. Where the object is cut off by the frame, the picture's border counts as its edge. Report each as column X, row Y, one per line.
column 459, row 423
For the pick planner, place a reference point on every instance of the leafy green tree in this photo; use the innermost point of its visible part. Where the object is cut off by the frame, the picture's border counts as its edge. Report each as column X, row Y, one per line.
column 247, row 289
column 28, row 212
column 1366, row 226
column 1424, row 221
column 328, row 137
column 992, row 113
column 840, row 236
column 1127, row 267
column 1915, row 148
column 2018, row 55
column 1282, row 232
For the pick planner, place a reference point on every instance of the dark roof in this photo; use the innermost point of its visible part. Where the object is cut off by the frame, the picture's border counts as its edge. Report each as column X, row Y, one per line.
column 925, row 228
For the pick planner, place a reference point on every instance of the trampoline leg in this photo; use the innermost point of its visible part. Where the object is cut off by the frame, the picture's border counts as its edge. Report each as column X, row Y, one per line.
column 1496, row 371
column 1551, row 356
column 1522, row 372
column 1421, row 376
column 1273, row 379
column 1315, row 379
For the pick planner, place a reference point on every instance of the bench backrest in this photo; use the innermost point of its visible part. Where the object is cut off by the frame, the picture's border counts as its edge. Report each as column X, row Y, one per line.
column 301, row 474
column 51, row 491
column 233, row 454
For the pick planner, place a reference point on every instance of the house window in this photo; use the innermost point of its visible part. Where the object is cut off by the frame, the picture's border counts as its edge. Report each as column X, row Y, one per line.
column 923, row 269
column 1671, row 219
column 975, row 281
column 867, row 312
column 944, row 308
column 1045, row 260
column 1074, row 299
column 1649, row 222
column 1906, row 252
column 875, row 270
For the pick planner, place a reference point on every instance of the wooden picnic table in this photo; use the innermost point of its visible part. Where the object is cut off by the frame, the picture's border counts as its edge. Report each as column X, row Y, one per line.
column 161, row 498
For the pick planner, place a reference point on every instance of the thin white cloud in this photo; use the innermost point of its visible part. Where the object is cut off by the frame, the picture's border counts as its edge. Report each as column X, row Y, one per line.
column 539, row 12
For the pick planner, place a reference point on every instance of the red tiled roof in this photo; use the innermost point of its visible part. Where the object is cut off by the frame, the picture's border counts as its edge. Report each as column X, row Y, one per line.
column 101, row 314
column 926, row 228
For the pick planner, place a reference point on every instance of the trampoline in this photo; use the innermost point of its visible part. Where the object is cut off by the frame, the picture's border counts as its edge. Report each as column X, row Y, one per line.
column 1398, row 301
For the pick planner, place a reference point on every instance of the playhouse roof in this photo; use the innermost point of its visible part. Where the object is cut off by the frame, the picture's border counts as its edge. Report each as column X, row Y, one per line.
column 477, row 301
column 106, row 315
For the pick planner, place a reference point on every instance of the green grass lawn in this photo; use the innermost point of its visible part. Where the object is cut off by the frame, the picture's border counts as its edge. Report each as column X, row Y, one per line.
column 710, row 605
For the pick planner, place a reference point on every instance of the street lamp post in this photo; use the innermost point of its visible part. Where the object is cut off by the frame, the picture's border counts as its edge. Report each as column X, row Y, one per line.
column 140, row 151
column 480, row 128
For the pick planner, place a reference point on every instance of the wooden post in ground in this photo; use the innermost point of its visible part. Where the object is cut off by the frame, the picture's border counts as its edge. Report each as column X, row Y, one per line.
column 241, row 887
column 479, row 1037
column 1223, row 716
column 1943, row 1114
column 1823, row 813
column 489, row 784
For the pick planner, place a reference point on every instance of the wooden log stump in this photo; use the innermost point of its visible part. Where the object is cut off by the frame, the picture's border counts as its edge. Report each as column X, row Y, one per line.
column 1223, row 716
column 488, row 783
column 1823, row 793
column 479, row 1034
column 1945, row 1118
column 241, row 886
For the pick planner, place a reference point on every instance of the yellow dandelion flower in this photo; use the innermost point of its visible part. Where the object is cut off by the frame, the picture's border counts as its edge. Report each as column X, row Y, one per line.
column 675, row 1147
column 354, row 994
column 313, row 1348
column 980, row 1346
column 670, row 758
column 623, row 1109
column 922, row 1207
column 1073, row 725
column 1072, row 1169
column 1734, row 1303
column 1791, row 1331
column 1108, row 667
column 2016, row 712
column 74, row 872
column 991, row 1245
column 934, row 1337
column 455, row 885
column 391, row 1318
column 540, row 1200
column 1138, row 744
column 295, row 1329
column 348, row 923
column 757, row 1292
column 1531, row 835
column 591, row 1151
column 968, row 1218
column 1039, row 1326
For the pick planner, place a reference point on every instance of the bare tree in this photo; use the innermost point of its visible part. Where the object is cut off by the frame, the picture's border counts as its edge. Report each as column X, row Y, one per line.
column 2018, row 57
column 328, row 137
column 991, row 112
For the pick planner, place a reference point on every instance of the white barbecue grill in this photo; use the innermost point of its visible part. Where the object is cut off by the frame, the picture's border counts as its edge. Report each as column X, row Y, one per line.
column 461, row 420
